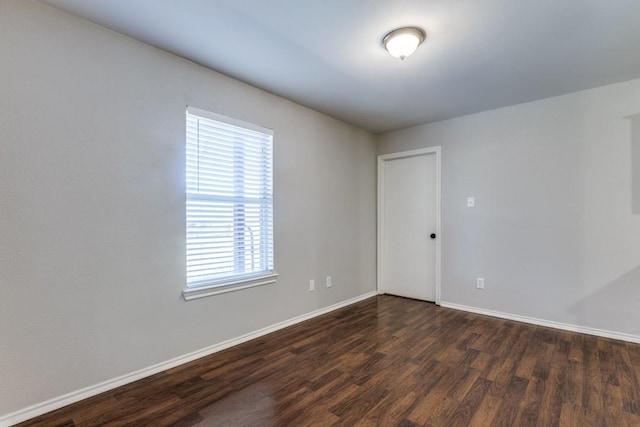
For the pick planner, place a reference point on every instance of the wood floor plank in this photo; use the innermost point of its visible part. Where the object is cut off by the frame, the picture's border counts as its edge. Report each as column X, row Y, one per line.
column 506, row 415
column 386, row 361
column 464, row 412
column 551, row 404
column 530, row 404
column 486, row 412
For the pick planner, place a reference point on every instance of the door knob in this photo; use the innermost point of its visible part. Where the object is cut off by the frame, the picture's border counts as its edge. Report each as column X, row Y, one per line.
column 433, row 235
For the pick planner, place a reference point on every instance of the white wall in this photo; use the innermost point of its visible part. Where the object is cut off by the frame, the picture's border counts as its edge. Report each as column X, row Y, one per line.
column 92, row 234
column 553, row 231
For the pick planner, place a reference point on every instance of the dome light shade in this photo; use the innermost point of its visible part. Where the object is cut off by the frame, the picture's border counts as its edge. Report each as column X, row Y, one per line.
column 402, row 42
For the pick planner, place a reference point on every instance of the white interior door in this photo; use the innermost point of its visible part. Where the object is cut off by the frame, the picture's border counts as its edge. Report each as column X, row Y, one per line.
column 409, row 224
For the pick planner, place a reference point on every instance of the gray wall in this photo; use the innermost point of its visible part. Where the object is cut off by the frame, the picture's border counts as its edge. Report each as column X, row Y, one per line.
column 92, row 222
column 553, row 232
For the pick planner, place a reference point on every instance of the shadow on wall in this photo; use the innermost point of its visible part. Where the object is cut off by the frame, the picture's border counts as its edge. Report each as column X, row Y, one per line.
column 618, row 302
column 615, row 304
column 635, row 163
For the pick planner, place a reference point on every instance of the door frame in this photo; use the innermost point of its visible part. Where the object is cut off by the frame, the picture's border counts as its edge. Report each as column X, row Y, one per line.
column 382, row 159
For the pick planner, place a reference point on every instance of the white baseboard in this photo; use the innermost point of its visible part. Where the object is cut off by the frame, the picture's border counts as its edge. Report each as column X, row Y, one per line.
column 76, row 396
column 547, row 323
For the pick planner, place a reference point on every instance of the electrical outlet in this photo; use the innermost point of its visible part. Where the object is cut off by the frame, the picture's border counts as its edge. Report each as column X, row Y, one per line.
column 480, row 283
column 312, row 285
column 329, row 284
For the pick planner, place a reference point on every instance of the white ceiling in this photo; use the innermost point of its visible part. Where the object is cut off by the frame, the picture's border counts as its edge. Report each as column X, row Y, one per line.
column 327, row 54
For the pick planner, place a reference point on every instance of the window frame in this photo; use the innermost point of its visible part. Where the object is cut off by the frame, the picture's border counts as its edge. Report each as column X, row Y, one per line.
column 242, row 280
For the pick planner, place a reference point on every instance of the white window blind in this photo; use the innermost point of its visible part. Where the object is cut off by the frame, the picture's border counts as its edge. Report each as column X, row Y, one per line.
column 229, row 200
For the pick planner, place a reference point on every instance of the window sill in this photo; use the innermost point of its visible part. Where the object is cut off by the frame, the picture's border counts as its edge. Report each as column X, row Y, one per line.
column 207, row 291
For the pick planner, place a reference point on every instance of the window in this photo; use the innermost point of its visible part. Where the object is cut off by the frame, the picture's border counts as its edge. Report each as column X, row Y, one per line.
column 229, row 204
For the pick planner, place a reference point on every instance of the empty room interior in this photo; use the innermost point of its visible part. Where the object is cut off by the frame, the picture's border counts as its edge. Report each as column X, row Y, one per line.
column 337, row 212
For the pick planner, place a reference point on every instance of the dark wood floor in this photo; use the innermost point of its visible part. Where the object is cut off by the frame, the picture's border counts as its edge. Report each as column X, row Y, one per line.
column 387, row 361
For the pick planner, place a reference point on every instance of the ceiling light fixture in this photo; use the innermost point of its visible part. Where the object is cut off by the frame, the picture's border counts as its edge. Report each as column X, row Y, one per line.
column 402, row 42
